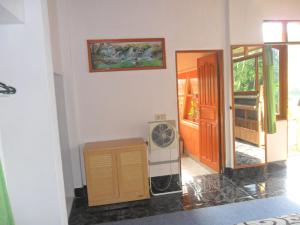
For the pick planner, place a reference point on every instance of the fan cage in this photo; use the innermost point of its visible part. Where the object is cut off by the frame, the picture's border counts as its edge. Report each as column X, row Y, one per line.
column 163, row 135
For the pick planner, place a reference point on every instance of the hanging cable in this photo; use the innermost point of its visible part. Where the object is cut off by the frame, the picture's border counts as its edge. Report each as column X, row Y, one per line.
column 169, row 179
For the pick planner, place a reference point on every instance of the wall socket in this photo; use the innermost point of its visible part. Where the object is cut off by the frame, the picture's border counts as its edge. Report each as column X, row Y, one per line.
column 160, row 116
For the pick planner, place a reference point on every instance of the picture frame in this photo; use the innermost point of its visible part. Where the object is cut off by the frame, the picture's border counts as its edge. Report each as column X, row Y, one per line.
column 107, row 55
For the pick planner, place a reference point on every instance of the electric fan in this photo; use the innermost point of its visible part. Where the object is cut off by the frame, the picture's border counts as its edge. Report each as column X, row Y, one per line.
column 164, row 158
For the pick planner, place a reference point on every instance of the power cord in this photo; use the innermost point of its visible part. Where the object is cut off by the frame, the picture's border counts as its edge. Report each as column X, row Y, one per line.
column 170, row 178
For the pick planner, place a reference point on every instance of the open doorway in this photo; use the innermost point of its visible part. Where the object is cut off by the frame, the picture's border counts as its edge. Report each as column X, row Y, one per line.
column 248, row 103
column 200, row 112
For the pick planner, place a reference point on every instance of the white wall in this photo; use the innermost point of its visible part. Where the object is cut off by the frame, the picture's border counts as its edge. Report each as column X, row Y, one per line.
column 103, row 106
column 2, row 156
column 11, row 11
column 55, row 36
column 61, row 102
column 62, row 62
column 119, row 104
column 28, row 121
column 246, row 18
column 64, row 140
column 6, row 17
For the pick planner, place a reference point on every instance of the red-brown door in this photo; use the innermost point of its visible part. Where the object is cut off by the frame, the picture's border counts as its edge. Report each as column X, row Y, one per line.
column 209, row 108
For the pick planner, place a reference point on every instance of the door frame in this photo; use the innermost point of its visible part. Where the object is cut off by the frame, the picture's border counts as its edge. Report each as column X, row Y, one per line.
column 221, row 112
column 232, row 108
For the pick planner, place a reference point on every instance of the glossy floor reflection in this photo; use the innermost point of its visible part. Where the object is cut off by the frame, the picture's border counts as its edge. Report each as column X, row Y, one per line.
column 281, row 178
column 191, row 168
column 248, row 154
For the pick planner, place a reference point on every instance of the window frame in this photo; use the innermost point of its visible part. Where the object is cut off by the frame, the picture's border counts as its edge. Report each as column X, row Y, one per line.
column 284, row 31
column 188, row 96
column 283, row 79
column 283, row 105
column 247, row 57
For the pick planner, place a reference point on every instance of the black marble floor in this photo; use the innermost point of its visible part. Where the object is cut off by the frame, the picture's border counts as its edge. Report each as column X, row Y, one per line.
column 248, row 154
column 275, row 179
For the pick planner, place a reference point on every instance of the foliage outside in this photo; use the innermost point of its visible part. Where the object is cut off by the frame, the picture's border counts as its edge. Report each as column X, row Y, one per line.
column 244, row 73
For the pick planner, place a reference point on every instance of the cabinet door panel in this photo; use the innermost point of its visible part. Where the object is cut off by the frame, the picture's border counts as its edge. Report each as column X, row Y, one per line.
column 190, row 135
column 101, row 177
column 132, row 174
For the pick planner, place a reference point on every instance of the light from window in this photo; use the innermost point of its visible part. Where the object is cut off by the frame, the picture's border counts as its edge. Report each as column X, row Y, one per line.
column 181, row 86
column 260, row 71
column 194, row 86
column 238, row 52
column 254, row 50
column 293, row 29
column 277, row 78
column 272, row 32
column 244, row 73
column 181, row 91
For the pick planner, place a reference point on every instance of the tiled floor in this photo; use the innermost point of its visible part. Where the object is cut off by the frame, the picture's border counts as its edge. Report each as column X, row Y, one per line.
column 190, row 168
column 249, row 154
column 202, row 191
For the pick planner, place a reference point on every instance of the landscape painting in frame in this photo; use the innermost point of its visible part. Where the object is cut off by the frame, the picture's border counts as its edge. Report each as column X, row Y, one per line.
column 126, row 54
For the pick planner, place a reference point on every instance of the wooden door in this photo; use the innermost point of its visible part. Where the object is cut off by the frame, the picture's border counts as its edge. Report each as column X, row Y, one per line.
column 133, row 174
column 208, row 112
column 101, row 176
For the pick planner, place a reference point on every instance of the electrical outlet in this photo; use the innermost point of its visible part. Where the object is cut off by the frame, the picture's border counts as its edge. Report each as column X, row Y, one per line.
column 157, row 116
column 163, row 116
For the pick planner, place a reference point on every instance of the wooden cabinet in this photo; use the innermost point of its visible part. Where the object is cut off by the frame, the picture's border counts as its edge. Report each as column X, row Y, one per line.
column 190, row 134
column 116, row 171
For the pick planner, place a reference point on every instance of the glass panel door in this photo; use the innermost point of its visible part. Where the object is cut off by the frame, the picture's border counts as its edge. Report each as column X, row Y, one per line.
column 248, row 106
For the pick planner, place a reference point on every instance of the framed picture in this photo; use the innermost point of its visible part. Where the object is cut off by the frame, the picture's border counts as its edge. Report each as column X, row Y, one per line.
column 126, row 54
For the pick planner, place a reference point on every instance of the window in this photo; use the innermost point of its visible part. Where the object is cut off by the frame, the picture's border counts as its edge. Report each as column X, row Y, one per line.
column 289, row 31
column 272, row 32
column 181, row 92
column 247, row 69
column 192, row 100
column 194, row 82
column 188, row 99
column 280, row 73
column 260, row 71
column 281, row 31
column 241, row 52
column 277, row 78
column 293, row 31
column 244, row 75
